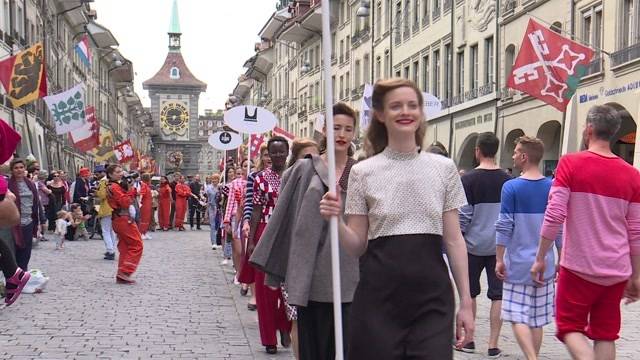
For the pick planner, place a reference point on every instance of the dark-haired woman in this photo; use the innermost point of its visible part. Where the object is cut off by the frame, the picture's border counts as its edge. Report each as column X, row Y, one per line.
column 130, row 246
column 28, row 203
column 164, row 204
column 397, row 225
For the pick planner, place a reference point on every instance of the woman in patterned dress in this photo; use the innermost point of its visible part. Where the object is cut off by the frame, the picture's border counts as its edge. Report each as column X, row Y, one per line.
column 402, row 205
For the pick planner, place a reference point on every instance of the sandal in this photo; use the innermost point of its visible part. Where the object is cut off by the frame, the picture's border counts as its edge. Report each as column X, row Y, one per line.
column 123, row 278
column 14, row 286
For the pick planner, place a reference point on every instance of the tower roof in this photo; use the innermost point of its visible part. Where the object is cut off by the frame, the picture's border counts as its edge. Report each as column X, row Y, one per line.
column 184, row 79
column 174, row 26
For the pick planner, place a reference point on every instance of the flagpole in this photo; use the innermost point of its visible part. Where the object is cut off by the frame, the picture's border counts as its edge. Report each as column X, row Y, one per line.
column 224, row 167
column 331, row 156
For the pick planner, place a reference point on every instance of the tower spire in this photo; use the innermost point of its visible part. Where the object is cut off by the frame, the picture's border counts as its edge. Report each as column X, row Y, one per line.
column 174, row 29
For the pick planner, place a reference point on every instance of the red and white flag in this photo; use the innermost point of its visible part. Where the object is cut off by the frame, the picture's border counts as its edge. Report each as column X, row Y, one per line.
column 549, row 66
column 285, row 134
column 124, row 151
column 87, row 137
column 255, row 141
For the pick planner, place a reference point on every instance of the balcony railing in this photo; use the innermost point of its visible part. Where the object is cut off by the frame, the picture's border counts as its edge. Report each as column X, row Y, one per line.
column 471, row 94
column 485, row 89
column 625, row 55
column 594, row 67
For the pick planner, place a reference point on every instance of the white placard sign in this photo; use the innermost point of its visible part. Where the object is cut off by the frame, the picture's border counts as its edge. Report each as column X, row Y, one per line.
column 225, row 140
column 249, row 119
column 432, row 106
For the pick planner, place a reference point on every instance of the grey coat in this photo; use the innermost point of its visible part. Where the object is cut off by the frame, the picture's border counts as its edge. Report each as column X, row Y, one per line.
column 295, row 247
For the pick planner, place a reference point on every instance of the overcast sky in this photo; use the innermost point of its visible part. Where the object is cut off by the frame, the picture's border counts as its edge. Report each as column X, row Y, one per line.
column 217, row 37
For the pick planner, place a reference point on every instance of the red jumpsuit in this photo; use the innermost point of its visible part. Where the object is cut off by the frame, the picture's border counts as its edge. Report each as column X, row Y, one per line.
column 129, row 239
column 146, row 209
column 164, row 206
column 183, row 192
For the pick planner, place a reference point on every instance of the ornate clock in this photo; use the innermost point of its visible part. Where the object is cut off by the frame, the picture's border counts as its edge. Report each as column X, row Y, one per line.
column 174, row 117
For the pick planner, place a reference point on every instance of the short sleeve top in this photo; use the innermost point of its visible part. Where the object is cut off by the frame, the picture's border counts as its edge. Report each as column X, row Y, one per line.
column 404, row 193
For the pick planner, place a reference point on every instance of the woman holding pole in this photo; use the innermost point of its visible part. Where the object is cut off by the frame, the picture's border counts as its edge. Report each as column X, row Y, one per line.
column 397, row 225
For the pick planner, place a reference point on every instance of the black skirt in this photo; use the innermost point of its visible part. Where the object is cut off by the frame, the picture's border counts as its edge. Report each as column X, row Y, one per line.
column 403, row 307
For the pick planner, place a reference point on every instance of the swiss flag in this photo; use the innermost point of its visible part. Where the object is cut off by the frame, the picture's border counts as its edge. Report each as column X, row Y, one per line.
column 282, row 132
column 124, row 151
column 549, row 66
column 255, row 141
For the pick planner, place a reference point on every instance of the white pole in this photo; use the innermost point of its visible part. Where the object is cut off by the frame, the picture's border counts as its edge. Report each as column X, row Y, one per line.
column 335, row 252
column 249, row 157
column 224, row 168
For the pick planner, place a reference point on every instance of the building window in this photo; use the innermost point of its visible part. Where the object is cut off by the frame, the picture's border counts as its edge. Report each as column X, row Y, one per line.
column 378, row 20
column 317, row 58
column 425, row 73
column 311, row 59
column 425, row 12
column 348, row 50
column 311, row 102
column 509, row 60
column 436, row 74
column 317, row 99
column 341, row 51
column 447, row 71
column 474, row 67
column 348, row 85
column 341, row 87
column 416, row 71
column 416, row 15
column 592, row 34
column 366, row 68
column 378, row 68
column 407, row 25
column 333, row 89
column 407, row 71
column 343, row 10
column 556, row 27
column 387, row 12
column 387, row 64
column 175, row 73
column 488, row 60
column 356, row 69
column 333, row 46
column 628, row 33
column 460, row 76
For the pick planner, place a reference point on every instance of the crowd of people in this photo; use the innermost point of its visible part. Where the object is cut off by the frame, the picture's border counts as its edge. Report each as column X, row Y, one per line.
column 410, row 222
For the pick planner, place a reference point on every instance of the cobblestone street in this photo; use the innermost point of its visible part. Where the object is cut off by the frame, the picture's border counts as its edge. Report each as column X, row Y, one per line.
column 184, row 306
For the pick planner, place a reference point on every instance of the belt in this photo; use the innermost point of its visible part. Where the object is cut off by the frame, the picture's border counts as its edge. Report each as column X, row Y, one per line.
column 120, row 212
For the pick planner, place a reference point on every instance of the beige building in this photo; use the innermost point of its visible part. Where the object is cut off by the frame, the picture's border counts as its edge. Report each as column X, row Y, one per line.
column 460, row 51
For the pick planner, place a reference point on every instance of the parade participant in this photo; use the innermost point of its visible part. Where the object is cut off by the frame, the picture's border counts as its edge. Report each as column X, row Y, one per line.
column 523, row 201
column 482, row 186
column 403, row 306
column 300, row 148
column 211, row 191
column 81, row 189
column 154, row 207
column 28, row 203
column 194, row 206
column 164, row 204
column 296, row 246
column 130, row 246
column 595, row 197
column 232, row 214
column 145, row 206
column 57, row 200
column 183, row 193
column 15, row 277
column 223, row 197
column 271, row 310
column 105, row 213
column 44, row 192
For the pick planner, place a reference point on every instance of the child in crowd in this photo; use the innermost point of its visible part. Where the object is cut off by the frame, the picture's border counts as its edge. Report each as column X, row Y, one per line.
column 63, row 221
column 78, row 222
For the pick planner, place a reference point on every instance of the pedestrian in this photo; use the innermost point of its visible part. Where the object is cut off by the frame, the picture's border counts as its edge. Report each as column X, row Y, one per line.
column 264, row 161
column 130, row 245
column 183, row 193
column 233, row 213
column 522, row 205
column 595, row 197
column 297, row 243
column 15, row 277
column 403, row 306
column 28, row 203
column 40, row 177
column 62, row 224
column 271, row 311
column 154, row 207
column 483, row 186
column 194, row 206
column 438, row 148
column 57, row 199
column 223, row 198
column 164, row 204
column 105, row 213
column 145, row 206
column 81, row 189
column 211, row 192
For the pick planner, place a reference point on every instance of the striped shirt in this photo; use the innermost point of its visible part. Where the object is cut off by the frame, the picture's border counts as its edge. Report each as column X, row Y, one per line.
column 236, row 195
column 597, row 198
column 248, row 197
column 522, row 207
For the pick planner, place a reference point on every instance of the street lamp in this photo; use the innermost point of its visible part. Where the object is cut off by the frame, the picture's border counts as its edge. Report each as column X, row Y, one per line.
column 365, row 9
column 306, row 67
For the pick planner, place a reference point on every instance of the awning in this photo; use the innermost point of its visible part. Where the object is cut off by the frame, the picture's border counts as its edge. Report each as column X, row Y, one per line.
column 243, row 88
column 67, row 5
column 313, row 20
column 76, row 17
column 122, row 73
column 274, row 24
column 101, row 36
column 295, row 32
column 260, row 65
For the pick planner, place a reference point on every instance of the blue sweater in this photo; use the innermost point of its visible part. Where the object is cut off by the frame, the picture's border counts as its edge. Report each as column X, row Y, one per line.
column 523, row 203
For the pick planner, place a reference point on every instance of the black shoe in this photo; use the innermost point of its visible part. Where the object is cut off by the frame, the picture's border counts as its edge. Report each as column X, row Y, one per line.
column 494, row 353
column 199, row 228
column 110, row 256
column 244, row 291
column 469, row 348
column 252, row 307
column 285, row 339
column 271, row 349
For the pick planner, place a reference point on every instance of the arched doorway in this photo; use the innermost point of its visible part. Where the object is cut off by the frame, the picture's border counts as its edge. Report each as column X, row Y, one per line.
column 467, row 155
column 624, row 143
column 550, row 134
column 506, row 162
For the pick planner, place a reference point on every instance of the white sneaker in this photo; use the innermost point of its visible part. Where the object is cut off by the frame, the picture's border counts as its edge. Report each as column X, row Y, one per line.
column 225, row 262
column 214, row 247
column 149, row 236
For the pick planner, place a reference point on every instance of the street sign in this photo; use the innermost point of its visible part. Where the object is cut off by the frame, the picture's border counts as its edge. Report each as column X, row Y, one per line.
column 250, row 119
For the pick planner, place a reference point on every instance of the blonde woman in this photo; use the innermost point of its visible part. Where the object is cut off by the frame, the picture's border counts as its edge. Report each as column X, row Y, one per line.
column 401, row 206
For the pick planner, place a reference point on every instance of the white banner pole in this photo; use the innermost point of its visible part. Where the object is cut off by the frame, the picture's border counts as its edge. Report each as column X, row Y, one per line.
column 335, row 252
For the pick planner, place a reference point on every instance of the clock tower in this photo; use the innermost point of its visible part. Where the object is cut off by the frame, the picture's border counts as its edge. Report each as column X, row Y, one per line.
column 174, row 92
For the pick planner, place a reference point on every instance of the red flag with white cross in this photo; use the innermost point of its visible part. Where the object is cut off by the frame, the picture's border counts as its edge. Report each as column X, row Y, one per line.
column 255, row 141
column 549, row 66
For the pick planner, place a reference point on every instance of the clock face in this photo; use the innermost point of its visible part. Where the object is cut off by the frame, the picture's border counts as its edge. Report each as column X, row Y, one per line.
column 174, row 117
